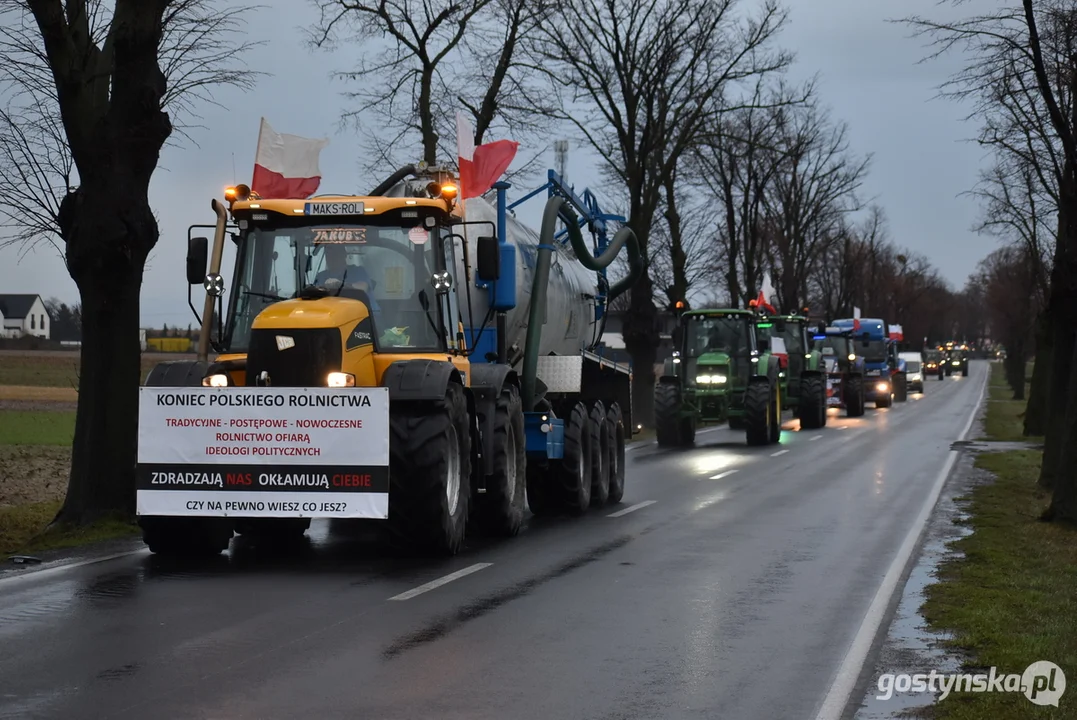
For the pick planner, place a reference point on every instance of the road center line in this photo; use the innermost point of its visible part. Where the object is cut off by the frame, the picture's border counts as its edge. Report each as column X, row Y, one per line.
column 780, row 452
column 817, row 437
column 837, row 698
column 632, row 508
column 721, row 475
column 434, row 584
column 843, row 427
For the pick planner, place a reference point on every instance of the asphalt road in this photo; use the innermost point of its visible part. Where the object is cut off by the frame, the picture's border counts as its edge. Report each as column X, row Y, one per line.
column 730, row 583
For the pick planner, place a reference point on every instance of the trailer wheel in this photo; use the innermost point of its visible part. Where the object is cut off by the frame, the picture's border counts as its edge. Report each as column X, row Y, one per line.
column 812, row 403
column 573, row 474
column 854, row 401
column 901, row 388
column 615, row 426
column 186, row 537
column 501, row 507
column 667, row 408
column 757, row 412
column 600, row 456
column 430, row 473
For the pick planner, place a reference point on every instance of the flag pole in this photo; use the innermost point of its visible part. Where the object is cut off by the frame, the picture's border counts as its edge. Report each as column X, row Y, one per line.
column 261, row 127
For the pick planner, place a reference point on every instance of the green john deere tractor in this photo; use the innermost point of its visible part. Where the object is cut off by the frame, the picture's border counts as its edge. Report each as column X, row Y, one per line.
column 719, row 373
column 802, row 375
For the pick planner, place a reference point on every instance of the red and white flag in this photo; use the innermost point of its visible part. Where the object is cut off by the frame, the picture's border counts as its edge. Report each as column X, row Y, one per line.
column 286, row 166
column 765, row 295
column 480, row 167
column 856, row 318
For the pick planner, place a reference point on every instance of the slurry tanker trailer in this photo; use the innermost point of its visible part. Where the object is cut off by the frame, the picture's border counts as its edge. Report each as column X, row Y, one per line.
column 404, row 356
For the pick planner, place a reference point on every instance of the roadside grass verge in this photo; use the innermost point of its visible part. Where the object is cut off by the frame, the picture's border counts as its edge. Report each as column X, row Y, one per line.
column 22, row 529
column 1005, row 416
column 1012, row 599
column 59, row 369
column 37, row 427
column 1009, row 598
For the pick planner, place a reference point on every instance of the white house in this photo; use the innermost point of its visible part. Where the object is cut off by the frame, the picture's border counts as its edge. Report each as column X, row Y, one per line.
column 24, row 315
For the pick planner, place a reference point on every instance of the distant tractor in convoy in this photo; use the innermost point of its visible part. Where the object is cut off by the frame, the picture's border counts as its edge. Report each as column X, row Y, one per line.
column 801, row 374
column 719, row 373
column 885, row 380
column 844, row 369
column 477, row 360
column 959, row 362
column 933, row 363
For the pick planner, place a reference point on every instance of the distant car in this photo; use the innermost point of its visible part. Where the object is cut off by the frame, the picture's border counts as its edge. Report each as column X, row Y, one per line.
column 914, row 371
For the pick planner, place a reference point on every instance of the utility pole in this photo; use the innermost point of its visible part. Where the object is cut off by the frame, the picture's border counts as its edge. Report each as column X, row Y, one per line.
column 560, row 149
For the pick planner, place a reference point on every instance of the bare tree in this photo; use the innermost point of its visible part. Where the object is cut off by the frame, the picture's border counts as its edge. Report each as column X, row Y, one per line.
column 640, row 82
column 96, row 85
column 435, row 50
column 1034, row 51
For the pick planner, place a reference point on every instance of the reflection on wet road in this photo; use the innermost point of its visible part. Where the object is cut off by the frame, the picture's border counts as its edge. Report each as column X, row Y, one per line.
column 730, row 582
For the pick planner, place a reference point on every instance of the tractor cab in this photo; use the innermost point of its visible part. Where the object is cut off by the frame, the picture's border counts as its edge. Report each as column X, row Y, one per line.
column 715, row 347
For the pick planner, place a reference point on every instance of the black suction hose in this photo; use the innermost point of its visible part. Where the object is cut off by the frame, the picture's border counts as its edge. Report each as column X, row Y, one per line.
column 393, row 180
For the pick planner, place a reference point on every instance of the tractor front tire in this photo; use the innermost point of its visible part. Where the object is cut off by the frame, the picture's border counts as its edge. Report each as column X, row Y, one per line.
column 901, row 387
column 573, row 474
column 501, row 507
column 667, row 420
column 430, row 473
column 812, row 404
column 854, row 400
column 615, row 426
column 758, row 412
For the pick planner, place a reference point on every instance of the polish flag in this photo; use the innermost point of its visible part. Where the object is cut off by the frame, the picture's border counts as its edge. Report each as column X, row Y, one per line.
column 765, row 295
column 286, row 166
column 856, row 318
column 480, row 167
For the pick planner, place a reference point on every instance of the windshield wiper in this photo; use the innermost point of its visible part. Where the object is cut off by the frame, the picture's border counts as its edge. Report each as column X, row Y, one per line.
column 264, row 295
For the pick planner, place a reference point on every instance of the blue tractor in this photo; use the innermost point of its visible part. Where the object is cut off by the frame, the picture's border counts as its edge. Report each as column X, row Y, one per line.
column 884, row 371
column 844, row 369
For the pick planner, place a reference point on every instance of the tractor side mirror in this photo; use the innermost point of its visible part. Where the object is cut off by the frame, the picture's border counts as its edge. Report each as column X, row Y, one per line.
column 489, row 259
column 780, row 325
column 197, row 258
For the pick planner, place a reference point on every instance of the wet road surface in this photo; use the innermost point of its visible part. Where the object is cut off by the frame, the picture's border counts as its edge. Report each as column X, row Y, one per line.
column 730, row 583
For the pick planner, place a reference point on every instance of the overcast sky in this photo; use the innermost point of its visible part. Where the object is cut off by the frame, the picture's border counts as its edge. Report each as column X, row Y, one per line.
column 869, row 77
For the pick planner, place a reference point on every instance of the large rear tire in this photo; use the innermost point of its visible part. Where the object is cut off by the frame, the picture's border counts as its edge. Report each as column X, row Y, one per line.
column 667, row 408
column 501, row 507
column 616, row 429
column 812, row 404
column 430, row 473
column 758, row 409
column 600, row 456
column 186, row 536
column 573, row 474
column 854, row 400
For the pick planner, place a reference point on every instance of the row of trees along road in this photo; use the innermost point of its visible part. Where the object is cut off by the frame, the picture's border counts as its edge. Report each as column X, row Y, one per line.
column 1020, row 76
column 726, row 170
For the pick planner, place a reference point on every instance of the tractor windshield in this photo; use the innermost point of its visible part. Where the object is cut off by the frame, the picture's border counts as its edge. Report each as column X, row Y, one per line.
column 874, row 351
column 387, row 267
column 726, row 334
column 833, row 346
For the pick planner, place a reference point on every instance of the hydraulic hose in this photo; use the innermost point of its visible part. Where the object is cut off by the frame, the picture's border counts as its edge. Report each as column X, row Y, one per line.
column 393, row 180
column 556, row 209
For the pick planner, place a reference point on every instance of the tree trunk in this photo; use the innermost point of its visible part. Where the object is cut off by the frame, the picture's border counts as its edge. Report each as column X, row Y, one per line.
column 109, row 234
column 1036, row 410
column 640, row 333
column 1064, row 499
column 1016, row 374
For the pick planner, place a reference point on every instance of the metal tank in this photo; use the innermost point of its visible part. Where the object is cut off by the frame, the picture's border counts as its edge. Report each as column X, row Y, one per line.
column 571, row 292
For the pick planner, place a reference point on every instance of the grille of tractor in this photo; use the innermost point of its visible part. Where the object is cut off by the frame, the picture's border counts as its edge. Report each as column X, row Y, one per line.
column 315, row 354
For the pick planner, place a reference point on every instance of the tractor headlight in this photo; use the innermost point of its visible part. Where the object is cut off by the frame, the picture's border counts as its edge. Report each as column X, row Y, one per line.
column 956, row 362
column 217, row 380
column 852, row 357
column 340, row 379
column 882, row 387
column 711, row 379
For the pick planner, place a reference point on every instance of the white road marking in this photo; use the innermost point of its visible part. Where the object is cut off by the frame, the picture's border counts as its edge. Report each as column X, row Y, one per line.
column 843, row 427
column 632, row 508
column 817, row 437
column 780, row 452
column 849, row 672
column 35, row 574
column 434, row 584
column 721, row 475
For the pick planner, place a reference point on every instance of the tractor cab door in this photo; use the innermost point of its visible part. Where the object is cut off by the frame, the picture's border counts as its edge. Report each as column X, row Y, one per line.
column 796, row 344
